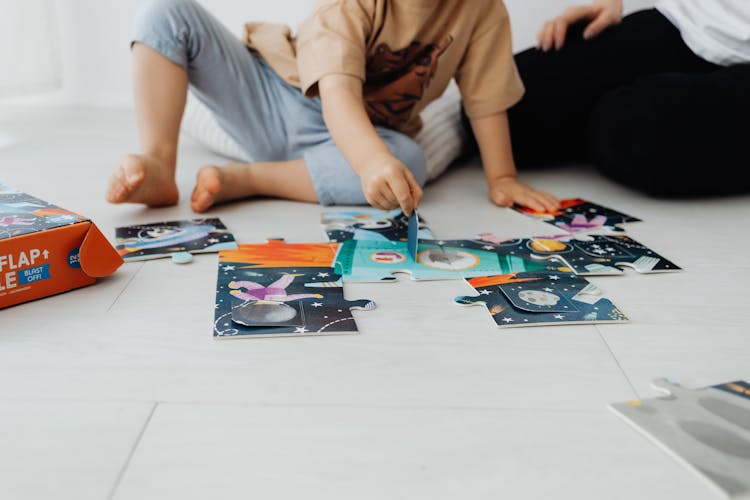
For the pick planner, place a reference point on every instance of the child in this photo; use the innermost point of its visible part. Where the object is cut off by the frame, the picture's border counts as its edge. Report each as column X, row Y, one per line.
column 327, row 114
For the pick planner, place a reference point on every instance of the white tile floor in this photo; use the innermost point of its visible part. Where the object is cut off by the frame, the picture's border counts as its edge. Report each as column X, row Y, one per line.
column 119, row 391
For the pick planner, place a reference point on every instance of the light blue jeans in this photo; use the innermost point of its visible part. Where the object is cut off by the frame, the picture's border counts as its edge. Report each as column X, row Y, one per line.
column 270, row 119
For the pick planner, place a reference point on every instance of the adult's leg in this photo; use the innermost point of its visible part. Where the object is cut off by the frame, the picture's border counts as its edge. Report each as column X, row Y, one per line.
column 562, row 87
column 321, row 175
column 176, row 42
column 676, row 134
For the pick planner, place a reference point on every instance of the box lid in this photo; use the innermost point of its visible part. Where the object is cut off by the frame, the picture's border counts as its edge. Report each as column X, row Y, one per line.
column 22, row 214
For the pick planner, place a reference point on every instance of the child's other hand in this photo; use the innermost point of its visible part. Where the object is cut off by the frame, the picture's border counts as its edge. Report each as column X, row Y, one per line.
column 508, row 190
column 387, row 184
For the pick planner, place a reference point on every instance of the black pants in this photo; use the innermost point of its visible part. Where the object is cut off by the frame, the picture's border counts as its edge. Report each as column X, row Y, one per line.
column 640, row 105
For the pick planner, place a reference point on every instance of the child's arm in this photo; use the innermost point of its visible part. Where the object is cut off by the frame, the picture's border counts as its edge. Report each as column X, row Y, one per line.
column 386, row 182
column 493, row 137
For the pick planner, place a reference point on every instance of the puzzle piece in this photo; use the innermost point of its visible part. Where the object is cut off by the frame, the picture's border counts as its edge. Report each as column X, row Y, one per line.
column 370, row 225
column 278, row 253
column 576, row 215
column 587, row 254
column 276, row 302
column 541, row 298
column 413, row 234
column 173, row 239
column 606, row 254
column 371, row 261
column 706, row 429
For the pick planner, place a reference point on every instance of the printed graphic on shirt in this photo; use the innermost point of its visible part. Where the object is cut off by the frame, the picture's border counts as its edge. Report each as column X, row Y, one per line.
column 396, row 80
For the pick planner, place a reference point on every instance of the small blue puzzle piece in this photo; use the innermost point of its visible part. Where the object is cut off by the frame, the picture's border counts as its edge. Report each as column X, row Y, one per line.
column 413, row 234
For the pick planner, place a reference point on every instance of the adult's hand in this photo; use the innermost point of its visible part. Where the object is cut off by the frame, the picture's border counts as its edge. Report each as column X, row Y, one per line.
column 601, row 15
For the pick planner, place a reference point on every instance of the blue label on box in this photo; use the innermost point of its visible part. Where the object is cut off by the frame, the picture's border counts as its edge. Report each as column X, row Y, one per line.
column 33, row 274
column 73, row 258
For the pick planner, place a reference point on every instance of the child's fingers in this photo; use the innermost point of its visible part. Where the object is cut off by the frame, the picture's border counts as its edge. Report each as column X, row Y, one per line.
column 378, row 201
column 416, row 189
column 390, row 198
column 400, row 187
column 531, row 201
column 550, row 202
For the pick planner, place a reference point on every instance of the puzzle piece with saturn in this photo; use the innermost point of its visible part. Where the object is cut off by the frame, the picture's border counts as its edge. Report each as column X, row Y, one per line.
column 576, row 215
column 707, row 430
column 541, row 298
column 586, row 254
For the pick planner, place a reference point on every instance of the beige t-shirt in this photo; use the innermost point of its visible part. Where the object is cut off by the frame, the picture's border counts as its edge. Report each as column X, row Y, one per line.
column 405, row 52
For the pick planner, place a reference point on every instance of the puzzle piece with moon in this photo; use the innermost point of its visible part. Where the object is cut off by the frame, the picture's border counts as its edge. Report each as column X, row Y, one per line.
column 541, row 298
column 254, row 302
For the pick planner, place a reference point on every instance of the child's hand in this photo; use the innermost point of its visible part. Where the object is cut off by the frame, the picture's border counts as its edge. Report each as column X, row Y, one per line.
column 508, row 190
column 388, row 184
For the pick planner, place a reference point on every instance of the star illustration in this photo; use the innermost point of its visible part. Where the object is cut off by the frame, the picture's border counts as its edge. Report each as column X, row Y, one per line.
column 229, row 268
column 322, row 275
column 301, row 329
column 548, row 289
column 558, row 316
column 213, row 240
column 317, row 304
column 554, row 277
column 488, row 247
column 485, row 292
column 508, row 320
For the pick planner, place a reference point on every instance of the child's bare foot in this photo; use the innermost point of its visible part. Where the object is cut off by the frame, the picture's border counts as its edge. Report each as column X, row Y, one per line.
column 143, row 179
column 217, row 184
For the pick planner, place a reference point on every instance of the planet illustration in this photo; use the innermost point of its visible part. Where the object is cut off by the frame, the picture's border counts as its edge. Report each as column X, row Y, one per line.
column 263, row 313
column 541, row 245
column 538, row 297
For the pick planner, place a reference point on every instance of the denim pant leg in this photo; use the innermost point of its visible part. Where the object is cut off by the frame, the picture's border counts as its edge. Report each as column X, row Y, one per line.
column 335, row 181
column 238, row 87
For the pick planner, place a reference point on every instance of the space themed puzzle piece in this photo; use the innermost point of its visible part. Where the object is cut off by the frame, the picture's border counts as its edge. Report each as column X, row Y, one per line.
column 175, row 239
column 373, row 261
column 585, row 254
column 370, row 224
column 282, row 302
column 707, row 430
column 278, row 253
column 591, row 255
column 541, row 298
column 576, row 215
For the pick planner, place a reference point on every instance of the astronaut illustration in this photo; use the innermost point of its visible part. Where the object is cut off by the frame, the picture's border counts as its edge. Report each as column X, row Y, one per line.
column 275, row 292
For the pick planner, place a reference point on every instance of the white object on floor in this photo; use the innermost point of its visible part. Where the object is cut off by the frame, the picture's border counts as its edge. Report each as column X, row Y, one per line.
column 442, row 137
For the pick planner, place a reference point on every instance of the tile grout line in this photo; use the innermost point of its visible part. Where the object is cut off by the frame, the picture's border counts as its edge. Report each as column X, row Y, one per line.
column 129, row 458
column 617, row 362
column 125, row 287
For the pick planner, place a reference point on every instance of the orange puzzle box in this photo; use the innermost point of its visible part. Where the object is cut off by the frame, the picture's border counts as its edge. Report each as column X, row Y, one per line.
column 45, row 250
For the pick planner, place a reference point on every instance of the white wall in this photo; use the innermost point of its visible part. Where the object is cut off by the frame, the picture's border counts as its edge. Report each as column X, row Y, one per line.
column 95, row 35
